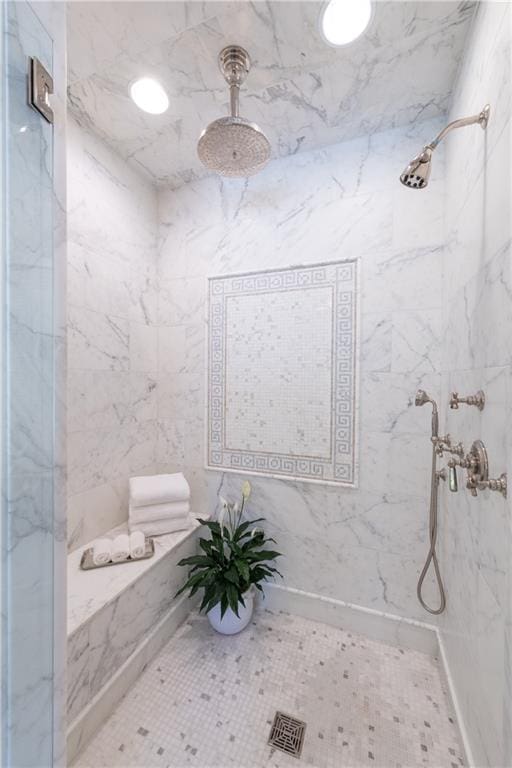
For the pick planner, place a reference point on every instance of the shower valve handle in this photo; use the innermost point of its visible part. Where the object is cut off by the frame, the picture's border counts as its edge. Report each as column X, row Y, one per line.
column 444, row 444
column 453, row 484
column 495, row 484
column 477, row 400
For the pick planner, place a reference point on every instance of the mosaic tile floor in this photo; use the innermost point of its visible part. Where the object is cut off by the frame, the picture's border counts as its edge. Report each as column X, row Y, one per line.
column 210, row 701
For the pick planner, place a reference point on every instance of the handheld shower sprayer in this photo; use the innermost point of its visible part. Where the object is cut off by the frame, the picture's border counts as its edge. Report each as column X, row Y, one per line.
column 417, row 173
column 421, row 399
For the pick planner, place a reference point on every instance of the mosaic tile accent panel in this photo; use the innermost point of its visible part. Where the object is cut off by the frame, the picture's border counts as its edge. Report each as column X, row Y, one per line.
column 282, row 373
column 209, row 701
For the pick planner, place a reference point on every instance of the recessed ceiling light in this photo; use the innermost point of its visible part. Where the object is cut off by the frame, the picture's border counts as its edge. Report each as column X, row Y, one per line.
column 149, row 95
column 342, row 21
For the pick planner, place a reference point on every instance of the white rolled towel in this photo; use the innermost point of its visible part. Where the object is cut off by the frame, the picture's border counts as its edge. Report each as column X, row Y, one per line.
column 120, row 548
column 153, row 512
column 159, row 527
column 102, row 551
column 137, row 545
column 158, row 489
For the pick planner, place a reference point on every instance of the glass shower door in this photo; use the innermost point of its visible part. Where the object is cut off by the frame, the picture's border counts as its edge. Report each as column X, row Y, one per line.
column 27, row 400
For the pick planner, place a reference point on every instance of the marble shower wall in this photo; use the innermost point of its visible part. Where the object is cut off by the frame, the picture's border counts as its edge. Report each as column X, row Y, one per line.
column 112, row 334
column 475, row 534
column 364, row 546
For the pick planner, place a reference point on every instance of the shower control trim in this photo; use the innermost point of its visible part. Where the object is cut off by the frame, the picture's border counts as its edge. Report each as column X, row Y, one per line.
column 444, row 445
column 496, row 484
column 478, row 400
column 476, row 464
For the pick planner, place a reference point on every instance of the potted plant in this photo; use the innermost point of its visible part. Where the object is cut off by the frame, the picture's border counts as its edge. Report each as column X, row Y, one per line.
column 234, row 561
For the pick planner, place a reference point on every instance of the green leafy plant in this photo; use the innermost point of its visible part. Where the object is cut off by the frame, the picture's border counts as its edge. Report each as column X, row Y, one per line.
column 235, row 557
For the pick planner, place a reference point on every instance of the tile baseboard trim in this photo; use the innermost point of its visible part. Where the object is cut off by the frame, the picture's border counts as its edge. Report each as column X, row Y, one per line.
column 452, row 691
column 101, row 706
column 376, row 625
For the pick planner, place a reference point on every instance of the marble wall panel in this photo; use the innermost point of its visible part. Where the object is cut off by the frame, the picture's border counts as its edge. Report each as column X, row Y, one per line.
column 364, row 546
column 475, row 533
column 111, row 333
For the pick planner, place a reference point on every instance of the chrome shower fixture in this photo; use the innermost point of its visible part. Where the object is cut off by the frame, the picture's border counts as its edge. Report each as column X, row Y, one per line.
column 417, row 173
column 476, row 464
column 422, row 398
column 478, row 400
column 233, row 146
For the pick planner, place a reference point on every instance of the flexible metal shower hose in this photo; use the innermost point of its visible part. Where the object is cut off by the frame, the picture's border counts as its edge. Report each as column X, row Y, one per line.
column 432, row 556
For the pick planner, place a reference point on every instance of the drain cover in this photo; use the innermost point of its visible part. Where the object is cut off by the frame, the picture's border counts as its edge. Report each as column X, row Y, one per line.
column 287, row 734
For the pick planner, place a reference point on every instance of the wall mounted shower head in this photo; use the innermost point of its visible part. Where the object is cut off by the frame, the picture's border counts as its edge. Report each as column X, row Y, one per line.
column 417, row 173
column 234, row 146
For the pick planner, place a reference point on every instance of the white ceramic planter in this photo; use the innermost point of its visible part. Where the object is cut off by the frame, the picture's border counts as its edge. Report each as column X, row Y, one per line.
column 230, row 623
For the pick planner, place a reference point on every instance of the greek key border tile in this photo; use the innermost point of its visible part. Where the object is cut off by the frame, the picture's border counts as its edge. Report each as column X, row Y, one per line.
column 341, row 468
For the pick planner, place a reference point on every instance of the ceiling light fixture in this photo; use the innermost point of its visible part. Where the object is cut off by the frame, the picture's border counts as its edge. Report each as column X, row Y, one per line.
column 149, row 95
column 342, row 21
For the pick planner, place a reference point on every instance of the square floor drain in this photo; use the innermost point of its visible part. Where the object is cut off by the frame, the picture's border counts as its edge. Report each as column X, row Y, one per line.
column 287, row 734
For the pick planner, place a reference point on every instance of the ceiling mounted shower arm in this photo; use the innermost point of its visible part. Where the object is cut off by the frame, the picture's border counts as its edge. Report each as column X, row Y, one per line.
column 234, row 99
column 233, row 146
column 482, row 118
column 234, row 63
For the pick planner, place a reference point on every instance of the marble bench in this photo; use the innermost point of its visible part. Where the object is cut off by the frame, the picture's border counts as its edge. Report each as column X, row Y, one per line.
column 118, row 619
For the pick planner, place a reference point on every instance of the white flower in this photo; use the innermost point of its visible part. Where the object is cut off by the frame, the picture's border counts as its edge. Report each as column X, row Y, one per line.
column 255, row 531
column 223, row 502
column 235, row 508
column 222, row 515
column 246, row 489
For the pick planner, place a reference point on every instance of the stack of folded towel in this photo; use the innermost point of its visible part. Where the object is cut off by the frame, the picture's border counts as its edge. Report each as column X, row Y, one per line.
column 159, row 504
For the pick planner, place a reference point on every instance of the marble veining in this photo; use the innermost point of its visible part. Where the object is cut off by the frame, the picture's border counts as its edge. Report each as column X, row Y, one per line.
column 436, row 290
column 113, row 610
column 90, row 591
column 112, row 337
column 363, row 545
column 475, row 535
column 304, row 93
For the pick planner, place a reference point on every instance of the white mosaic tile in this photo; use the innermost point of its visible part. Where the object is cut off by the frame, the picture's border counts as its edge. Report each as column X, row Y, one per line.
column 301, row 327
column 210, row 701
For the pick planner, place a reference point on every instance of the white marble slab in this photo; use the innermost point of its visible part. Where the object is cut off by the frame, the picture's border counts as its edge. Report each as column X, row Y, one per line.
column 92, row 591
column 112, row 336
column 113, row 611
column 362, row 546
column 475, row 534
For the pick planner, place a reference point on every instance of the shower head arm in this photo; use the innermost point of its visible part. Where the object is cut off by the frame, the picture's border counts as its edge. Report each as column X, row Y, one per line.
column 234, row 99
column 482, row 118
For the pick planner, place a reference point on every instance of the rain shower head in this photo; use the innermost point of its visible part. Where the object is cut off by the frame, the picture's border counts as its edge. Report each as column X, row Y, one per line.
column 417, row 173
column 233, row 146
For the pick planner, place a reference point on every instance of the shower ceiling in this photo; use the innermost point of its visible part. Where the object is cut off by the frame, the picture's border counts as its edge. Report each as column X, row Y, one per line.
column 303, row 93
